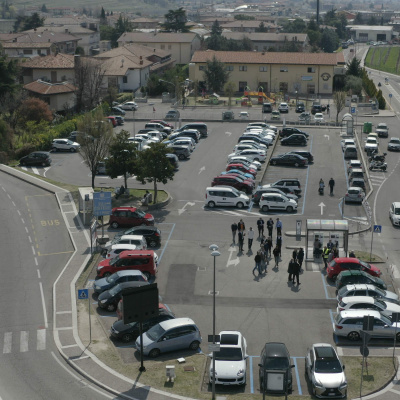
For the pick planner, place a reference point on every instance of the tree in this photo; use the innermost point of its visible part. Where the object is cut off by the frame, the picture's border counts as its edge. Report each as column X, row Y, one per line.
column 6, row 137
column 339, row 98
column 103, row 19
column 34, row 109
column 215, row 75
column 354, row 67
column 329, row 41
column 296, row 26
column 229, row 90
column 96, row 141
column 381, row 100
column 89, row 75
column 216, row 28
column 353, row 83
column 122, row 159
column 358, row 20
column 154, row 166
column 26, row 23
column 175, row 21
column 372, row 20
column 44, row 8
column 262, row 27
column 8, row 76
column 242, row 17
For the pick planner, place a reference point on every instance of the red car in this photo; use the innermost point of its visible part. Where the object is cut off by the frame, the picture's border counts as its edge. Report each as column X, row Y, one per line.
column 233, row 181
column 163, row 123
column 241, row 167
column 337, row 265
column 113, row 120
column 129, row 216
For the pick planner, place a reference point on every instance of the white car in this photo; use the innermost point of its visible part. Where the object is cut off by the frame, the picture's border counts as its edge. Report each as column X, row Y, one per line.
column 394, row 213
column 325, row 371
column 118, row 248
column 263, row 125
column 239, row 147
column 318, row 118
column 347, row 142
column 184, row 142
column 138, row 240
column 283, row 108
column 368, row 303
column 244, row 115
column 230, row 360
column 262, row 131
column 250, row 154
column 129, row 105
column 65, row 145
column 149, row 138
column 277, row 202
column 259, row 146
column 241, row 159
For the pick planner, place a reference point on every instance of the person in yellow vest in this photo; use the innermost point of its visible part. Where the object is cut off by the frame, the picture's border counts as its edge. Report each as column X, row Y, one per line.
column 325, row 255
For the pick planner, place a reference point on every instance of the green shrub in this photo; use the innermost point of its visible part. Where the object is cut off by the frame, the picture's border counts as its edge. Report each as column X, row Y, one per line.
column 3, row 157
column 123, row 97
column 24, row 150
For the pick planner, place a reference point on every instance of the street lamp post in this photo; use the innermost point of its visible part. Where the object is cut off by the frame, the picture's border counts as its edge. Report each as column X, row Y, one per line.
column 215, row 253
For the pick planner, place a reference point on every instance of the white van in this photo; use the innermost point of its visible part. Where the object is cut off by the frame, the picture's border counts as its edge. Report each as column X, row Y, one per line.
column 226, row 196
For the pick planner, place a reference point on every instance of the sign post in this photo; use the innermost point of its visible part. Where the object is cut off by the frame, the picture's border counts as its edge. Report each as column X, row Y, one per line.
column 298, row 229
column 83, row 294
column 377, row 229
column 102, row 206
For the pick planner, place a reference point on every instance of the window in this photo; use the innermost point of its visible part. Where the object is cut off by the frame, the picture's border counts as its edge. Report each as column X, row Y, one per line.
column 283, row 86
column 263, row 86
column 242, row 67
column 229, row 68
column 26, row 51
column 283, row 69
column 311, row 69
column 201, row 67
column 242, row 85
column 162, row 47
column 310, row 88
column 263, row 68
column 124, row 79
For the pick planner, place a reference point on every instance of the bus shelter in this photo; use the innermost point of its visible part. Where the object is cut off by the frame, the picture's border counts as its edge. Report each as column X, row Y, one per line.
column 322, row 230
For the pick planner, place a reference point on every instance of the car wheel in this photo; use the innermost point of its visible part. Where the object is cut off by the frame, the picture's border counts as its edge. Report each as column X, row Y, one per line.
column 273, row 162
column 147, row 275
column 154, row 353
column 240, row 205
column 256, row 159
column 265, row 208
column 72, row 150
column 44, row 163
column 22, row 163
column 111, row 307
column 297, row 165
column 353, row 336
column 334, row 277
column 114, row 225
column 194, row 345
column 398, row 337
column 153, row 243
column 211, row 204
column 289, row 209
column 127, row 337
column 54, row 149
column 181, row 157
column 107, row 274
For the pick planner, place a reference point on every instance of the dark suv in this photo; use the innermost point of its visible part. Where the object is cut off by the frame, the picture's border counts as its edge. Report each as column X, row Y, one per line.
column 151, row 233
column 275, row 356
column 294, row 140
column 287, row 131
column 317, row 108
column 351, row 277
column 300, row 107
column 41, row 158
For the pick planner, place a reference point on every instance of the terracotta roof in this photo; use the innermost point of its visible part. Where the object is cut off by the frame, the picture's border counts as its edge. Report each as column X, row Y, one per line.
column 71, row 29
column 255, row 57
column 140, row 37
column 134, row 50
column 119, row 65
column 143, row 20
column 245, row 24
column 46, row 36
column 16, row 45
column 46, row 88
column 266, row 37
column 7, row 37
column 62, row 61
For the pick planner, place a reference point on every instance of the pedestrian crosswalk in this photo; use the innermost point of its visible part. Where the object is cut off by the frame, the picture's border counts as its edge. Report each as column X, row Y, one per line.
column 36, row 171
column 376, row 179
column 24, row 341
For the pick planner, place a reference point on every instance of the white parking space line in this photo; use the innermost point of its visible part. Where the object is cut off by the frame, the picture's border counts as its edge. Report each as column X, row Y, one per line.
column 23, row 344
column 7, row 343
column 41, row 339
column 395, row 271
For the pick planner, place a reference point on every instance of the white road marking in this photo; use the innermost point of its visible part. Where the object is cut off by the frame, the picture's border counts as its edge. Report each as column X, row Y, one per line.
column 19, row 212
column 35, row 171
column 14, row 204
column 30, row 240
column 43, row 305
column 8, row 196
column 38, row 272
column 33, row 251
column 41, row 339
column 36, row 261
column 23, row 344
column 23, row 221
column 7, row 343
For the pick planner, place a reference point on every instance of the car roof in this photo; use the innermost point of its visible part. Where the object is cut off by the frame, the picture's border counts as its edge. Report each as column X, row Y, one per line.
column 274, row 194
column 230, row 338
column 126, row 208
column 129, row 272
column 145, row 227
column 131, row 253
column 126, row 246
column 324, row 350
column 358, row 299
column 359, row 313
column 361, row 286
column 124, row 285
column 276, row 349
column 132, row 237
column 174, row 323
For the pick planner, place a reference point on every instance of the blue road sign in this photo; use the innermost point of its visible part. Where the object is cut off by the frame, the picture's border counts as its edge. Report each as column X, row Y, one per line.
column 377, row 228
column 101, row 203
column 83, row 294
column 390, row 95
column 353, row 110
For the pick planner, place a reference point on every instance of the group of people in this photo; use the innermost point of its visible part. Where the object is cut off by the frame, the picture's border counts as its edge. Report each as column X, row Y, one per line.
column 328, row 253
column 295, row 265
column 331, row 184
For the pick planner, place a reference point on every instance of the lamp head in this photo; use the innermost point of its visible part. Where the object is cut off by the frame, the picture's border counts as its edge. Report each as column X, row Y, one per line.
column 213, row 247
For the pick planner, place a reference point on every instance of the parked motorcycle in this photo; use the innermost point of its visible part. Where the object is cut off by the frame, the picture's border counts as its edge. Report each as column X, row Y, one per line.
column 377, row 166
column 377, row 157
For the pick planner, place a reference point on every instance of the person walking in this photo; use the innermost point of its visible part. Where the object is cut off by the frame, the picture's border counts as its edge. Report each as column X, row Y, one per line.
column 278, row 227
column 269, row 245
column 331, row 186
column 257, row 260
column 294, row 255
column 279, row 245
column 241, row 240
column 296, row 272
column 325, row 255
column 264, row 260
column 300, row 257
column 290, row 270
column 234, row 228
column 241, row 226
column 250, row 237
column 275, row 252
column 260, row 226
column 270, row 227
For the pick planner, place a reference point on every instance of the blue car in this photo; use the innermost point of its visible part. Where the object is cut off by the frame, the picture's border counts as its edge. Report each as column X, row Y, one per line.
column 236, row 171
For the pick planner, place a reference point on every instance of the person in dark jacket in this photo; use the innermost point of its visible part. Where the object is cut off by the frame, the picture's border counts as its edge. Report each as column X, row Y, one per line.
column 257, row 260
column 260, row 226
column 300, row 257
column 241, row 240
column 290, row 270
column 276, row 256
column 241, row 226
column 296, row 272
column 270, row 226
column 234, row 229
column 294, row 255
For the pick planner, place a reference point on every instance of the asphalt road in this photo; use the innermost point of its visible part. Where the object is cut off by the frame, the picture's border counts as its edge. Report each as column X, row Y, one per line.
column 35, row 247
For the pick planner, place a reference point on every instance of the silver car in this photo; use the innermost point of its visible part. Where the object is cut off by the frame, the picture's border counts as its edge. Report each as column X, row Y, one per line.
column 363, row 289
column 368, row 303
column 350, row 323
column 354, row 195
column 394, row 144
column 174, row 334
column 325, row 372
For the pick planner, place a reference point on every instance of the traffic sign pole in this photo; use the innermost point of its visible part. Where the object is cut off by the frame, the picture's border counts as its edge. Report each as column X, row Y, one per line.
column 83, row 294
column 376, row 229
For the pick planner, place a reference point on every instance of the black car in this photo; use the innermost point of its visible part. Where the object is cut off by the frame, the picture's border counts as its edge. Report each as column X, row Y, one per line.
column 317, row 108
column 110, row 298
column 294, row 140
column 275, row 356
column 151, row 233
column 289, row 159
column 41, row 158
column 353, row 277
column 128, row 333
column 117, row 111
column 300, row 107
column 287, row 131
column 190, row 133
column 304, row 153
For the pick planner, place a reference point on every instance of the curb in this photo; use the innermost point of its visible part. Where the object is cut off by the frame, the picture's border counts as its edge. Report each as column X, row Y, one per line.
column 162, row 204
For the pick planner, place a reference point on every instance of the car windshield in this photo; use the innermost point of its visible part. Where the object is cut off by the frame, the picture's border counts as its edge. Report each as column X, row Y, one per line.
column 328, row 366
column 276, row 363
column 229, row 353
column 140, row 213
column 155, row 332
column 112, row 278
column 381, row 304
column 70, row 142
column 365, row 265
column 114, row 260
column 115, row 290
column 397, row 211
column 386, row 320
